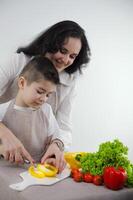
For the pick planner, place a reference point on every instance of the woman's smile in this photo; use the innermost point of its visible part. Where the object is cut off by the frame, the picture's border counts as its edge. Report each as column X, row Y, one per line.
column 65, row 57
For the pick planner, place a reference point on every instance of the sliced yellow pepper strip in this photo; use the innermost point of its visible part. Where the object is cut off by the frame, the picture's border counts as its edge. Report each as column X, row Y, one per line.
column 47, row 169
column 35, row 173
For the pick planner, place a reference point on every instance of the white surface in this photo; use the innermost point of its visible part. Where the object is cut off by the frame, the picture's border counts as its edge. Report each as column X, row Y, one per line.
column 103, row 108
column 29, row 180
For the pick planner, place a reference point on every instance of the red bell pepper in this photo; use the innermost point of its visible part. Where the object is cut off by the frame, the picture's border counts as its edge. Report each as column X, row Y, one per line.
column 114, row 178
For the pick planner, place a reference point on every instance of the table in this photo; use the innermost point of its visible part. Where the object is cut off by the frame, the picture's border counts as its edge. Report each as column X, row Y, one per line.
column 64, row 190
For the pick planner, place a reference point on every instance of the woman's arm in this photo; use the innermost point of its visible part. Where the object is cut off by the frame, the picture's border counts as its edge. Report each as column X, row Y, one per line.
column 63, row 117
column 9, row 70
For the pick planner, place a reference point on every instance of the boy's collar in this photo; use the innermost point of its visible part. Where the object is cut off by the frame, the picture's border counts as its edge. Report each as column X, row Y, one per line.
column 20, row 108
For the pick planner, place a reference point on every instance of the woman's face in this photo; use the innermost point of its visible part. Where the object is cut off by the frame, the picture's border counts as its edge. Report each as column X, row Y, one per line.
column 66, row 56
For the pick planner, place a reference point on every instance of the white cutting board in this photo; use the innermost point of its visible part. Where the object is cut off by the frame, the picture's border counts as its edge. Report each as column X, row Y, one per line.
column 29, row 180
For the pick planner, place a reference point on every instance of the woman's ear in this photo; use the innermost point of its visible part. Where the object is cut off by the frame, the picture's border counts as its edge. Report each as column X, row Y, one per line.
column 21, row 82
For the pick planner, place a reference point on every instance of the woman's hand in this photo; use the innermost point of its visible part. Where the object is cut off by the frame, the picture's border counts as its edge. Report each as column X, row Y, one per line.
column 59, row 161
column 11, row 148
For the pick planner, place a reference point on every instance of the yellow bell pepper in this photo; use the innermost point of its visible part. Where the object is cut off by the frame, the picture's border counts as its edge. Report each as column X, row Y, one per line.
column 33, row 171
column 70, row 159
column 47, row 169
column 42, row 171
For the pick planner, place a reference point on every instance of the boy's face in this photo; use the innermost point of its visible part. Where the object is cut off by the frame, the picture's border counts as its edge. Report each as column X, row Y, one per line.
column 36, row 93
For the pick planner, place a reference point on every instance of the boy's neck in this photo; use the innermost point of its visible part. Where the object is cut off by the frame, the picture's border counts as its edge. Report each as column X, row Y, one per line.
column 19, row 101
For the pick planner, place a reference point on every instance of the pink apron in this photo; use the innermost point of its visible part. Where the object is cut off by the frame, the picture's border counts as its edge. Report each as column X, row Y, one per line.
column 30, row 127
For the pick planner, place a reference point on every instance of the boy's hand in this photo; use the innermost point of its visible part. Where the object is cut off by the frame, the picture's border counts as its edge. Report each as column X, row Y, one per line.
column 51, row 161
column 59, row 161
column 12, row 149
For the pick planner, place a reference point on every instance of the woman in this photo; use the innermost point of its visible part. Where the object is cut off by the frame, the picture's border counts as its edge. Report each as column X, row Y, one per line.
column 65, row 44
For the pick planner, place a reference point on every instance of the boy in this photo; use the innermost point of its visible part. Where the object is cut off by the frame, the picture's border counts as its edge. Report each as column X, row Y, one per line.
column 28, row 116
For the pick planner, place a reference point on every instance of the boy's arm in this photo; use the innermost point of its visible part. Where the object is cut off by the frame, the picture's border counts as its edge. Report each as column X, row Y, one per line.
column 11, row 148
column 56, row 146
column 53, row 129
column 59, row 144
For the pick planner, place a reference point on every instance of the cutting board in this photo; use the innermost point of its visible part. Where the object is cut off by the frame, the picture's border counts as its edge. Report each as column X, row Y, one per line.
column 29, row 180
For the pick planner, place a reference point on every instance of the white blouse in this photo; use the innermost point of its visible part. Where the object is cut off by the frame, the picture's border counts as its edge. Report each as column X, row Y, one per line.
column 60, row 101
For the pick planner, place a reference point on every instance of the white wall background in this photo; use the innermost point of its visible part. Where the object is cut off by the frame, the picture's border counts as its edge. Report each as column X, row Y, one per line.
column 103, row 108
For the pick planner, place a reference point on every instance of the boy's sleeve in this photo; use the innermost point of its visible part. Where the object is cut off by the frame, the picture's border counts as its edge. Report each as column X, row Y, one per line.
column 3, row 109
column 53, row 127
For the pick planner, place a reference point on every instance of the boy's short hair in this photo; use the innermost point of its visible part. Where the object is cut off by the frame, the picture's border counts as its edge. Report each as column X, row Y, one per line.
column 39, row 68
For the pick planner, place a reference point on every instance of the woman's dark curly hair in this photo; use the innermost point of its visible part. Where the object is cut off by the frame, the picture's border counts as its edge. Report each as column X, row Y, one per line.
column 52, row 40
